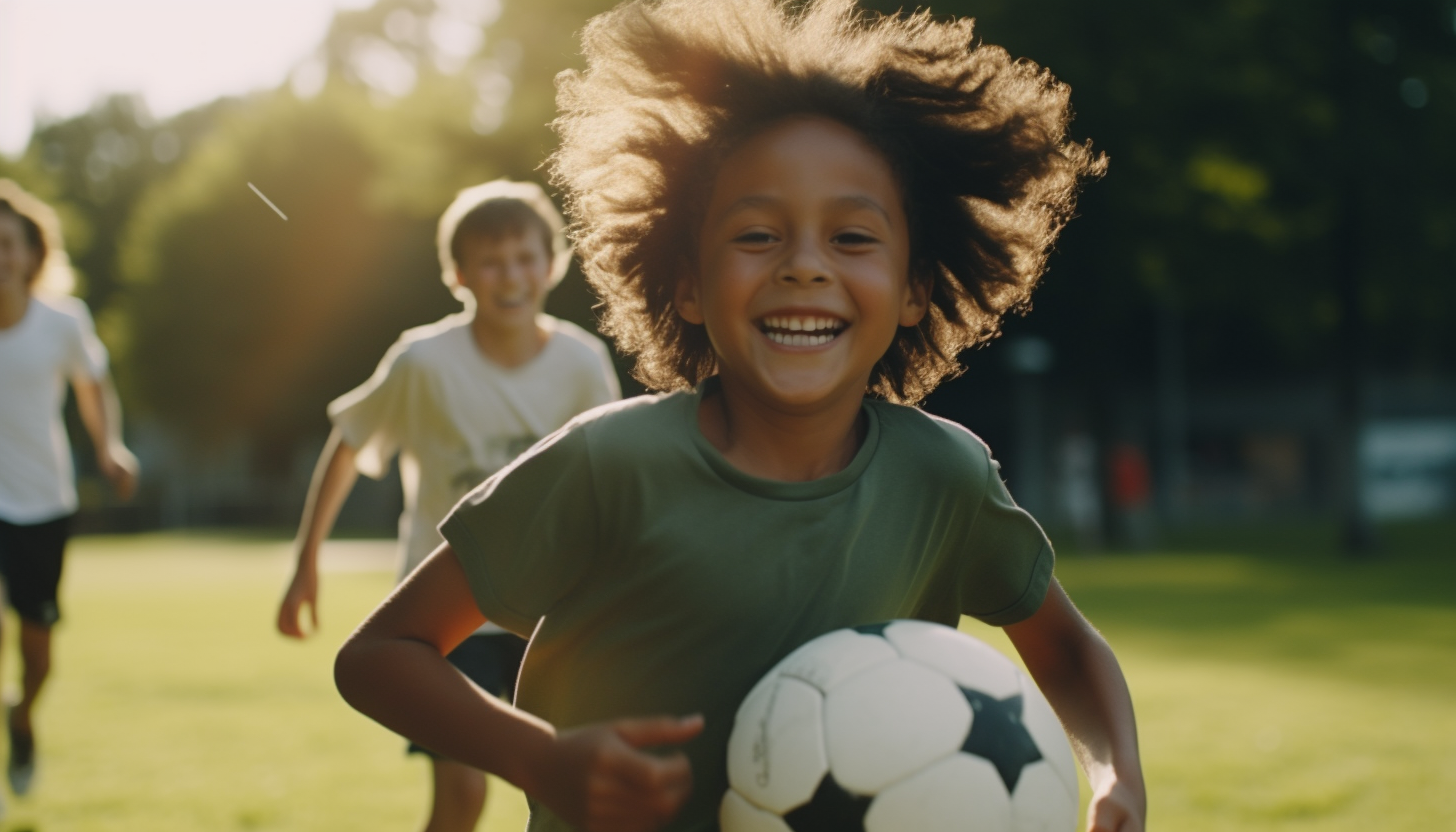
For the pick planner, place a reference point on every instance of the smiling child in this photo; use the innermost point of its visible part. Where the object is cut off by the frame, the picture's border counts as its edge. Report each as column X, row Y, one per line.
column 797, row 216
column 457, row 400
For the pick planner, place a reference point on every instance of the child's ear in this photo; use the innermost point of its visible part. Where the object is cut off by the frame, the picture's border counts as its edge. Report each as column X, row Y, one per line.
column 685, row 299
column 917, row 301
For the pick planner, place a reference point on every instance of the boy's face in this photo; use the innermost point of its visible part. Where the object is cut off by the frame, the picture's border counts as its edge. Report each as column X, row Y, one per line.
column 803, row 264
column 509, row 276
column 18, row 260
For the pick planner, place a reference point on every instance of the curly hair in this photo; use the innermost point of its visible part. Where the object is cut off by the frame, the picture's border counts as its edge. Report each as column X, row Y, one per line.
column 978, row 143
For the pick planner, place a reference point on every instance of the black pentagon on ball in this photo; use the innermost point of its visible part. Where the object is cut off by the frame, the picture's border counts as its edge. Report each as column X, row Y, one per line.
column 831, row 809
column 999, row 736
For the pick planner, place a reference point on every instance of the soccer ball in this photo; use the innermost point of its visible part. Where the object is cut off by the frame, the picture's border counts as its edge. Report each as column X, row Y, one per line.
column 900, row 727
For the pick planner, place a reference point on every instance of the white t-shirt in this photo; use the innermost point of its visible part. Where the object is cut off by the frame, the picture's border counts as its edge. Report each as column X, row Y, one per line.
column 455, row 417
column 54, row 343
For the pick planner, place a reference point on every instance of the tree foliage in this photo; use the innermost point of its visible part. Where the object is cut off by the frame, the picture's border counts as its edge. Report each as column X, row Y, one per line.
column 1240, row 133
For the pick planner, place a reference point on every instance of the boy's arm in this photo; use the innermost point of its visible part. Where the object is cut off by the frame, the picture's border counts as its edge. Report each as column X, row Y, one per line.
column 1077, row 671
column 393, row 670
column 100, row 410
column 333, row 479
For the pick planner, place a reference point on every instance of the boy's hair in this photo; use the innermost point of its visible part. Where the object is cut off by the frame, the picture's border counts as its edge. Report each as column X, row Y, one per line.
column 42, row 229
column 500, row 208
column 978, row 143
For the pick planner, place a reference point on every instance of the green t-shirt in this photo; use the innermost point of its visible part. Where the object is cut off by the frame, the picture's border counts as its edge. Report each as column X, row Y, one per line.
column 666, row 581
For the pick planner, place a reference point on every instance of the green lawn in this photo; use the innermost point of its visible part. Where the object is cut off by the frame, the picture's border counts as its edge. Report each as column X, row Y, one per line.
column 1282, row 689
column 1286, row 688
column 177, row 708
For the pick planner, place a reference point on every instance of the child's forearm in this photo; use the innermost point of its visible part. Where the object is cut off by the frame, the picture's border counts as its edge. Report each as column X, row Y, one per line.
column 100, row 413
column 393, row 669
column 1081, row 678
column 333, row 478
column 408, row 687
column 593, row 776
column 100, row 410
column 1091, row 696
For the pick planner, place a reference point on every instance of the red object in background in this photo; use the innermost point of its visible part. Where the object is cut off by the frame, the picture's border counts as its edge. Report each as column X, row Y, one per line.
column 1129, row 479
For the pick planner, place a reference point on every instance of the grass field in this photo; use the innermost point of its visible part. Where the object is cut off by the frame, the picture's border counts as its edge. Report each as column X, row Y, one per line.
column 1278, row 688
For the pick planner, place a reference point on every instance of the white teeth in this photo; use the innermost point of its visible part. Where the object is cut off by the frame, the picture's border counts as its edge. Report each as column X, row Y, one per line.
column 799, row 339
column 803, row 324
column 805, row 331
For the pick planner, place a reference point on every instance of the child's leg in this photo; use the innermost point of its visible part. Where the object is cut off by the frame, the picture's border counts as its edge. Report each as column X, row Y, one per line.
column 35, row 659
column 459, row 797
column 31, row 564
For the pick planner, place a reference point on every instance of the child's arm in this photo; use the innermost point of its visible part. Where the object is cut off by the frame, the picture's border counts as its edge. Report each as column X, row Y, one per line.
column 100, row 410
column 1077, row 671
column 595, row 777
column 333, row 479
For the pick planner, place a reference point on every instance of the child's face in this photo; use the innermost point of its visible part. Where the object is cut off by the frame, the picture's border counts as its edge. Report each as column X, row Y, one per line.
column 18, row 260
column 509, row 276
column 803, row 264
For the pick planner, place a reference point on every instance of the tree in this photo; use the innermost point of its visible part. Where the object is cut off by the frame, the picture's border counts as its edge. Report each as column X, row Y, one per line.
column 239, row 322
column 98, row 164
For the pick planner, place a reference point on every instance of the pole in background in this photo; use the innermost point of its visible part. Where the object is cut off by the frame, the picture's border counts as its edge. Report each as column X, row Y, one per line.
column 1029, row 358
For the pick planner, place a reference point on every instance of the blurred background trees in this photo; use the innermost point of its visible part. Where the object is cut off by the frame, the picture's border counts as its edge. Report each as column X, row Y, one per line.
column 1269, row 264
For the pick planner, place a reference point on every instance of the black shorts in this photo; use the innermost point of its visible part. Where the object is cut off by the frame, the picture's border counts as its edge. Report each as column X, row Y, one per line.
column 31, row 557
column 491, row 661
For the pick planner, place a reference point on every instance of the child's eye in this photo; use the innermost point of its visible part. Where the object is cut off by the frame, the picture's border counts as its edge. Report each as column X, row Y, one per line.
column 755, row 238
column 852, row 238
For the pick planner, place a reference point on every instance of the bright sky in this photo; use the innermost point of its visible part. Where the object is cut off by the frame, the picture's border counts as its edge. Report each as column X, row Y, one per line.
column 58, row 56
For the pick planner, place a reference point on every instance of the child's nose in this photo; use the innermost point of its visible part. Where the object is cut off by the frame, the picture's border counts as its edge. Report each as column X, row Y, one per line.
column 804, row 266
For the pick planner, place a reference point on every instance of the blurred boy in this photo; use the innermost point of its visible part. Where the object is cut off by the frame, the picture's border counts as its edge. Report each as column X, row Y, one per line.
column 458, row 400
column 46, row 340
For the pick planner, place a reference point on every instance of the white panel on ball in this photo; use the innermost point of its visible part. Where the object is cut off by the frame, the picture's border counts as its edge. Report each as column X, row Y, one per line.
column 834, row 657
column 738, row 815
column 890, row 721
column 1046, row 730
column 776, row 752
column 971, row 663
column 958, row 794
column 1041, row 802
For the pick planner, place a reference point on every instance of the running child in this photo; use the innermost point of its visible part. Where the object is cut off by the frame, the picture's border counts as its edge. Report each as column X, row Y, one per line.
column 797, row 215
column 47, row 340
column 457, row 400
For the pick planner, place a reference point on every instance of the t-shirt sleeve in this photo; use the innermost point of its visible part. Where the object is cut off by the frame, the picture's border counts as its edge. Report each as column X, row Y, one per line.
column 86, row 357
column 527, row 535
column 1009, row 559
column 375, row 418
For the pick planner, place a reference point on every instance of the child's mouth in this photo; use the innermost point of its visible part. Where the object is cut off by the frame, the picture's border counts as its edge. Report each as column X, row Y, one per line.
column 801, row 330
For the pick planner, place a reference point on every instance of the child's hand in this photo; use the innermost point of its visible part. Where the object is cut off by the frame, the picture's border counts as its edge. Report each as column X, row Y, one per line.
column 120, row 467
column 598, row 780
column 302, row 592
column 1116, row 808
